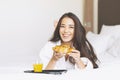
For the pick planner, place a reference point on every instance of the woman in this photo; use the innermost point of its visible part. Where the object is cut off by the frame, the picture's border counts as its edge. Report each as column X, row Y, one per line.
column 70, row 31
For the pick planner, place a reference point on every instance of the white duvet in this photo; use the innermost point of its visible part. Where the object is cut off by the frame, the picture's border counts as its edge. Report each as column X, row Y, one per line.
column 106, row 46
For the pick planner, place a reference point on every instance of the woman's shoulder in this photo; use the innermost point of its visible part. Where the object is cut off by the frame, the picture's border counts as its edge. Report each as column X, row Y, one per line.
column 52, row 43
column 47, row 48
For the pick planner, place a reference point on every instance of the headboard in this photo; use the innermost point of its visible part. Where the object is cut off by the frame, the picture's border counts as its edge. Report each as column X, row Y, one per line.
column 108, row 13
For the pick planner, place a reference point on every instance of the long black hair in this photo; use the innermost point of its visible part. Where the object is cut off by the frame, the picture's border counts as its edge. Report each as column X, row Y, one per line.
column 80, row 41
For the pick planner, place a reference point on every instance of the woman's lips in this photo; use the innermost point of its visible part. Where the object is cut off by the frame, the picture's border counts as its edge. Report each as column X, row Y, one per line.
column 66, row 35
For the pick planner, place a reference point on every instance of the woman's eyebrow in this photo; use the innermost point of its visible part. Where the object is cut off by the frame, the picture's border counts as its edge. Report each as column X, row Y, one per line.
column 62, row 24
column 71, row 25
column 68, row 24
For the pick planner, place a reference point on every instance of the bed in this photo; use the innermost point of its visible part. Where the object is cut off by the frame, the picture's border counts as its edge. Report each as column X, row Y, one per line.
column 106, row 45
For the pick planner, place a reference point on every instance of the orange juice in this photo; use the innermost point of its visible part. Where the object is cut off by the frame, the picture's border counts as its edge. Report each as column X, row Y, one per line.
column 38, row 67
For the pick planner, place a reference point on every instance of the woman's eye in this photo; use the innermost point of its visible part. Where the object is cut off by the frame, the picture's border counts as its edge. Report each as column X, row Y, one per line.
column 71, row 27
column 62, row 26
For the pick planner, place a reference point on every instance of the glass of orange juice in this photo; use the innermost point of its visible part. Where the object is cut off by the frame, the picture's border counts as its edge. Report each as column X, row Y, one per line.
column 38, row 67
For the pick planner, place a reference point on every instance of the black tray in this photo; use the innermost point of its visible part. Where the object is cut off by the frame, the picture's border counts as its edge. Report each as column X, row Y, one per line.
column 47, row 71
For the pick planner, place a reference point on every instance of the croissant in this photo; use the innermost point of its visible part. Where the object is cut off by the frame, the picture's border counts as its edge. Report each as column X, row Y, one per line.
column 64, row 48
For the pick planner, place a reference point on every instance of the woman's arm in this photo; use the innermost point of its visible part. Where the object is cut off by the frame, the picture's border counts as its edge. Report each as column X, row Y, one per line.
column 51, row 64
column 53, row 60
column 86, row 62
column 80, row 64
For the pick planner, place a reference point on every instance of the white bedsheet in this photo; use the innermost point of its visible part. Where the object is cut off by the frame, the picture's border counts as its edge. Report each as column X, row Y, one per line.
column 105, row 72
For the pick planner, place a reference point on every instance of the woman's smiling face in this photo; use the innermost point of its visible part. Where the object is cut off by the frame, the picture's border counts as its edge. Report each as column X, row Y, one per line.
column 67, row 29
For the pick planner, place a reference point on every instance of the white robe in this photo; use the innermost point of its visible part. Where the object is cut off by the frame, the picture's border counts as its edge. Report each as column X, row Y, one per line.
column 46, row 54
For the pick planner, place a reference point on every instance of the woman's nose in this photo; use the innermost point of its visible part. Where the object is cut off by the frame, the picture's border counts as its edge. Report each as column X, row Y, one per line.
column 66, row 30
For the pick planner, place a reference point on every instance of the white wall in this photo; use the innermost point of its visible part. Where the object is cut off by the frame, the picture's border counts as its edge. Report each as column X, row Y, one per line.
column 26, row 25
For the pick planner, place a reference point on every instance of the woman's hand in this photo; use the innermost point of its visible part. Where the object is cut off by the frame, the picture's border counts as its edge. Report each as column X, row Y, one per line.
column 76, row 55
column 57, row 56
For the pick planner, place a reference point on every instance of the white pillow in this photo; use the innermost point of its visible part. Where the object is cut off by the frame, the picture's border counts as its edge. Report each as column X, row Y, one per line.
column 114, row 50
column 113, row 30
column 90, row 35
column 99, row 42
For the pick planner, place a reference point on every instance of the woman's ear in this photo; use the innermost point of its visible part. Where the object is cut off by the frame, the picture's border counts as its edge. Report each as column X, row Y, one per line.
column 55, row 23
